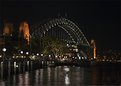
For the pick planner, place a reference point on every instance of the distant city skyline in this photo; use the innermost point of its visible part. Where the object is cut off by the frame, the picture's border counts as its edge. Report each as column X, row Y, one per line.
column 99, row 20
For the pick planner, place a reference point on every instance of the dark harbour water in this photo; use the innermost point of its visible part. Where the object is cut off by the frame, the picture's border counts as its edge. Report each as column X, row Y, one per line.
column 66, row 76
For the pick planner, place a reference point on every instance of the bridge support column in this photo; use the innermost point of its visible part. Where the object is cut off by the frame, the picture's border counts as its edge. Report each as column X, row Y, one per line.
column 94, row 48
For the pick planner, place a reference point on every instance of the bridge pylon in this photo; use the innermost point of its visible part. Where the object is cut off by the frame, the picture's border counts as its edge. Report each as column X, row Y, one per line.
column 93, row 44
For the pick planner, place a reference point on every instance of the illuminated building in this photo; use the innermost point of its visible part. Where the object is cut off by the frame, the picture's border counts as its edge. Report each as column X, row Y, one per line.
column 24, row 29
column 8, row 29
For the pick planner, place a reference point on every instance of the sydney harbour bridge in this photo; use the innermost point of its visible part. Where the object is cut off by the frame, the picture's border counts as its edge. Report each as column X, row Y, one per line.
column 67, row 32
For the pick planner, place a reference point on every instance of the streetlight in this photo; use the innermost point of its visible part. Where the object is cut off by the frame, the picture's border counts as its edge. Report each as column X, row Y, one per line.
column 21, row 52
column 27, row 53
column 4, row 50
column 42, row 54
column 37, row 54
column 49, row 55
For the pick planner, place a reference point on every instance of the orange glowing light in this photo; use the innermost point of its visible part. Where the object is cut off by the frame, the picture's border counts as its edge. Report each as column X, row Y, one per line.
column 8, row 28
column 94, row 48
column 24, row 28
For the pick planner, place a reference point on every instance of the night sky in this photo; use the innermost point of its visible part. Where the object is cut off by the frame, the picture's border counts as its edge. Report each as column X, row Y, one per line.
column 99, row 20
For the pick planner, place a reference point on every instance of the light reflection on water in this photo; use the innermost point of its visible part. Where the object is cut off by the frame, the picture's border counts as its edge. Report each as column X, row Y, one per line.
column 65, row 76
column 67, row 79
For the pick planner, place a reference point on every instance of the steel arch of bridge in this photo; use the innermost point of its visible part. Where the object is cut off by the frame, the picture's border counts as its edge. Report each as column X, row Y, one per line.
column 38, row 30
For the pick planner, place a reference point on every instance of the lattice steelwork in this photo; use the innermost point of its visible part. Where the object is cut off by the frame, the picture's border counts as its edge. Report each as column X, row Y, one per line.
column 58, row 24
